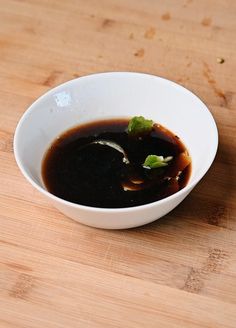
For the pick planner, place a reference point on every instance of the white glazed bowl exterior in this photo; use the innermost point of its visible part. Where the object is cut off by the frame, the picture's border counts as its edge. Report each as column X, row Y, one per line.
column 115, row 95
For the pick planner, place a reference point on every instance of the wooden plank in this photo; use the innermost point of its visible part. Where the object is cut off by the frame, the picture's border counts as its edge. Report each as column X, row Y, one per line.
column 177, row 272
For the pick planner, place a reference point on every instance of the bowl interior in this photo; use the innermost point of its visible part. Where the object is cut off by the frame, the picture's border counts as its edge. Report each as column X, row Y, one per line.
column 109, row 95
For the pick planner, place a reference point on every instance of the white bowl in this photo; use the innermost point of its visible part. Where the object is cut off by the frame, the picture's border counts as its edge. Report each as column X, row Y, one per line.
column 112, row 95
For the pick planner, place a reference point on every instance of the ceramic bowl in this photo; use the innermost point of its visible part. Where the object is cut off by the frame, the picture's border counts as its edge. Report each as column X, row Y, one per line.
column 116, row 95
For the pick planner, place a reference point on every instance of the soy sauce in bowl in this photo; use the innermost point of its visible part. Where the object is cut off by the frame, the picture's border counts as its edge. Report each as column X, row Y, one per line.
column 103, row 164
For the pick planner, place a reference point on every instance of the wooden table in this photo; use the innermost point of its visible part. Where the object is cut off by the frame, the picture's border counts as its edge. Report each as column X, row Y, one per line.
column 177, row 272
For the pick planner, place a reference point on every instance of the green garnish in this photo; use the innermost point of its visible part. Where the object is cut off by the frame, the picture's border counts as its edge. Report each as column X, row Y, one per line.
column 139, row 125
column 154, row 161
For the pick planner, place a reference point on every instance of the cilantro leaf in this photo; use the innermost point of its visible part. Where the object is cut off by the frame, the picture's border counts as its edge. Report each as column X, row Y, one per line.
column 139, row 125
column 154, row 161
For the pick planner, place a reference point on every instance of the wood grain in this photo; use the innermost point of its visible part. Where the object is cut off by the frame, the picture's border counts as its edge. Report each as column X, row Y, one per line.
column 177, row 272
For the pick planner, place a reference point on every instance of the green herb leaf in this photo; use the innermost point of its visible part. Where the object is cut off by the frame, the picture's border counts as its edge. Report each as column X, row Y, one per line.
column 154, row 161
column 139, row 125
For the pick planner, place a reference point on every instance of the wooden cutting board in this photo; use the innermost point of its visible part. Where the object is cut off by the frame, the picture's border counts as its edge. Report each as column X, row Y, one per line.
column 179, row 271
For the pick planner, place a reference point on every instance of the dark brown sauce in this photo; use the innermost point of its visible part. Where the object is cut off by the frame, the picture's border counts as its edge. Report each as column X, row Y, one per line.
column 96, row 175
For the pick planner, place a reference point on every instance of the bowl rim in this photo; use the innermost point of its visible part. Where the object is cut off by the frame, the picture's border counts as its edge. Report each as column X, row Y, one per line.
column 184, row 191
